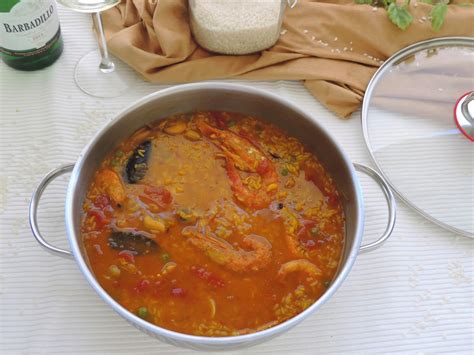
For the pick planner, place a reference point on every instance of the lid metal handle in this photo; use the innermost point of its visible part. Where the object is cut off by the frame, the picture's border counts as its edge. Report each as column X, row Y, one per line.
column 465, row 108
column 467, row 115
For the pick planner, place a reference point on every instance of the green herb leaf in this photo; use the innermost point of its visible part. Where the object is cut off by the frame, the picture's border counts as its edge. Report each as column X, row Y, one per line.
column 284, row 171
column 438, row 13
column 388, row 2
column 368, row 2
column 399, row 15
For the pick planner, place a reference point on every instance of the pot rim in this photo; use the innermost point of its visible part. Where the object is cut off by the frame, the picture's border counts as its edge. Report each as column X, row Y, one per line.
column 187, row 338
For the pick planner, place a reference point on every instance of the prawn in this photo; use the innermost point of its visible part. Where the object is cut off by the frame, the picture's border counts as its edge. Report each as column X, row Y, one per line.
column 292, row 241
column 241, row 154
column 154, row 198
column 109, row 181
column 300, row 265
column 238, row 260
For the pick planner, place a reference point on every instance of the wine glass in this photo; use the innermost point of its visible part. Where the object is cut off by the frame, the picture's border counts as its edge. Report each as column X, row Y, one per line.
column 96, row 73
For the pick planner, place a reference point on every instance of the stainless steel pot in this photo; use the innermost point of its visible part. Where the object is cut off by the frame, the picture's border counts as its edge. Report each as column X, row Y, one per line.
column 227, row 97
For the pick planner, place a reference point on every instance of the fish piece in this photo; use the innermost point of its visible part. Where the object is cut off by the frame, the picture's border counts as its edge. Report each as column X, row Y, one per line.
column 192, row 135
column 176, row 127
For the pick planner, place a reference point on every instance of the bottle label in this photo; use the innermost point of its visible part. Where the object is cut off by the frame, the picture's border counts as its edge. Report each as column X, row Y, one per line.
column 29, row 26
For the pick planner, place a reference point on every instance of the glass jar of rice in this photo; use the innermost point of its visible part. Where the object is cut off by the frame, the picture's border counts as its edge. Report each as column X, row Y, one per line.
column 236, row 26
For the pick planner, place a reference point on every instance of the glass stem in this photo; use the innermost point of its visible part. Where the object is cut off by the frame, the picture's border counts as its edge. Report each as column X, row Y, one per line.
column 106, row 65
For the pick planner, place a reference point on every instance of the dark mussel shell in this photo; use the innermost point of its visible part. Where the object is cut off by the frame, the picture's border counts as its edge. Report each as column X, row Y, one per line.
column 133, row 242
column 137, row 164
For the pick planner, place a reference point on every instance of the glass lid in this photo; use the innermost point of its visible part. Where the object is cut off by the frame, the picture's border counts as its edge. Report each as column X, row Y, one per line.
column 418, row 127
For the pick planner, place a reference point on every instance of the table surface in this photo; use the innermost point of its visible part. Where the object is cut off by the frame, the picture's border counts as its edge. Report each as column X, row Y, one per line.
column 413, row 294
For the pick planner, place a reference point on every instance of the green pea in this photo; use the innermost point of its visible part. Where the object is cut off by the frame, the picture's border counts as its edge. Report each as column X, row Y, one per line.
column 142, row 312
column 114, row 270
column 165, row 257
column 119, row 154
column 284, row 171
column 115, row 163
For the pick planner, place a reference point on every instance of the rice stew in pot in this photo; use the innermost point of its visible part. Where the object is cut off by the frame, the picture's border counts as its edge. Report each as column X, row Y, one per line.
column 214, row 224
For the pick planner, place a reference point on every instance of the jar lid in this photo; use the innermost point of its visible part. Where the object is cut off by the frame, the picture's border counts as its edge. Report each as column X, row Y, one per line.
column 417, row 123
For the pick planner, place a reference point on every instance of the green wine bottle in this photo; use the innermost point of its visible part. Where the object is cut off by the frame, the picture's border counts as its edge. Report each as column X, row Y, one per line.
column 30, row 36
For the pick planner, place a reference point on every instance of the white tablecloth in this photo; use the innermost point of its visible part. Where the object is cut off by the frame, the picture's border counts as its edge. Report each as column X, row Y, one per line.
column 413, row 294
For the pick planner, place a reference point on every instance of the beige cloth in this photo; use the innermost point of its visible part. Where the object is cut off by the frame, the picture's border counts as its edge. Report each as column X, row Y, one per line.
column 155, row 39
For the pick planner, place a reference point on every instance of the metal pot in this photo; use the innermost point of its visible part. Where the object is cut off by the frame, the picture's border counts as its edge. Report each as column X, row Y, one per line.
column 227, row 97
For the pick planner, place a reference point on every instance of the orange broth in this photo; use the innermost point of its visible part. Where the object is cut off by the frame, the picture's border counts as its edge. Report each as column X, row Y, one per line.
column 246, row 226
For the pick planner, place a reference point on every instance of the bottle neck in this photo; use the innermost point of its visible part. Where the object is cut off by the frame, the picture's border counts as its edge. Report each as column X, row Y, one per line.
column 7, row 5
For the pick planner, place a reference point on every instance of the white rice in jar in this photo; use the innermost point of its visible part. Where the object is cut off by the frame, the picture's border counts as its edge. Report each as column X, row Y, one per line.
column 236, row 26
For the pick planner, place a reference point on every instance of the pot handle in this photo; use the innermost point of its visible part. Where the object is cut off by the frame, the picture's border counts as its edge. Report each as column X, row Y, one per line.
column 392, row 214
column 33, row 210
